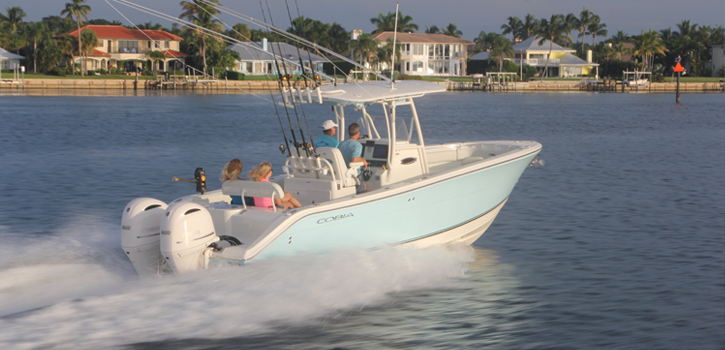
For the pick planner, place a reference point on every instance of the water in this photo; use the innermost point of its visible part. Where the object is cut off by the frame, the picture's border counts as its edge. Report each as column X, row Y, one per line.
column 616, row 243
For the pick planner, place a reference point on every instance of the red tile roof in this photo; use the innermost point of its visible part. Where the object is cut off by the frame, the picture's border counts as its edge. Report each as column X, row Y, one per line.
column 421, row 38
column 174, row 54
column 98, row 53
column 119, row 32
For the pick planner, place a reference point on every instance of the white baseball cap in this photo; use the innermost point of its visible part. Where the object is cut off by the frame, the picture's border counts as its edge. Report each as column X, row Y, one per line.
column 328, row 124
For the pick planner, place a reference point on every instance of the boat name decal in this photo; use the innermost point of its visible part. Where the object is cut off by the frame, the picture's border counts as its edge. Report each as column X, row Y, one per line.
column 125, row 228
column 334, row 218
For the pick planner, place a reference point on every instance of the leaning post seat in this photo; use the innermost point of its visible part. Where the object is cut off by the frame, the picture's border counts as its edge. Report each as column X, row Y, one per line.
column 252, row 189
column 320, row 178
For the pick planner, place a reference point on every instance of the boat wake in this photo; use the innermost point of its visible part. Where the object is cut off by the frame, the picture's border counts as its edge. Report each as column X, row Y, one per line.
column 76, row 289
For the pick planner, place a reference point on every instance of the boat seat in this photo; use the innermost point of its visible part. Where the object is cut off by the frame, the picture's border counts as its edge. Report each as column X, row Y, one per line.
column 348, row 175
column 252, row 189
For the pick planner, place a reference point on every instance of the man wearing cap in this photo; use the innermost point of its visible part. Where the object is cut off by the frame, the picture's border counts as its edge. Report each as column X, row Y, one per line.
column 326, row 140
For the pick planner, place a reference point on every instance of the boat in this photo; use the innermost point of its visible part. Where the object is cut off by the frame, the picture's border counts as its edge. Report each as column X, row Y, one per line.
column 417, row 195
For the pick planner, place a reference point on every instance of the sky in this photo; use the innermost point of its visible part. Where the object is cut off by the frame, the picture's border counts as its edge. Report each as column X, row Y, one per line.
column 471, row 16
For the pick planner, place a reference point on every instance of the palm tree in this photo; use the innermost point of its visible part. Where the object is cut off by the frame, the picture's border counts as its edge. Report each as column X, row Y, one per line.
column 432, row 30
column 155, row 56
column 529, row 26
column 241, row 32
column 618, row 40
column 13, row 23
column 386, row 23
column 452, row 30
column 501, row 49
column 485, row 41
column 513, row 26
column 90, row 42
column 364, row 45
column 338, row 37
column 79, row 11
column 647, row 46
column 385, row 53
column 201, row 13
column 552, row 30
column 585, row 18
column 596, row 28
column 34, row 33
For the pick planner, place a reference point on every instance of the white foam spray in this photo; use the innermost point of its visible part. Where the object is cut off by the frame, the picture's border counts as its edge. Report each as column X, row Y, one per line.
column 83, row 296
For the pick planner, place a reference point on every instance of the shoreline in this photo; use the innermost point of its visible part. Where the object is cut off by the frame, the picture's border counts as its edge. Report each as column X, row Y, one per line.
column 250, row 86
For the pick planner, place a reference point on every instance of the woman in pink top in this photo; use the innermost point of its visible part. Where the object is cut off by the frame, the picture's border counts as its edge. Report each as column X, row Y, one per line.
column 262, row 173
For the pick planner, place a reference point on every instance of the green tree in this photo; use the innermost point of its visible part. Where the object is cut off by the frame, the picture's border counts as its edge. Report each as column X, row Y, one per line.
column 79, row 11
column 364, row 45
column 386, row 23
column 582, row 23
column 513, row 27
column 13, row 24
column 154, row 57
column 241, row 32
column 35, row 32
column 484, row 40
column 201, row 13
column 432, row 30
column 501, row 49
column 647, row 46
column 529, row 26
column 90, row 42
column 597, row 28
column 552, row 30
column 452, row 30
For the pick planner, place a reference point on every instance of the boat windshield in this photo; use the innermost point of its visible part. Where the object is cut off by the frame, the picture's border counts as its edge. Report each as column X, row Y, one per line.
column 403, row 121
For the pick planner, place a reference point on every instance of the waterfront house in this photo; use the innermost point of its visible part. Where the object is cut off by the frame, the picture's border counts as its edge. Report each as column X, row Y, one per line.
column 428, row 54
column 9, row 60
column 563, row 62
column 258, row 58
column 118, row 44
column 717, row 61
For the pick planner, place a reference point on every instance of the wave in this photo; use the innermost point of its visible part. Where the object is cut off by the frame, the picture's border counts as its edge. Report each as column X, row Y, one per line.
column 73, row 289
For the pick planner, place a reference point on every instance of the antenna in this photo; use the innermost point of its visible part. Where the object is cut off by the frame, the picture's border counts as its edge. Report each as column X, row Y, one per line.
column 395, row 41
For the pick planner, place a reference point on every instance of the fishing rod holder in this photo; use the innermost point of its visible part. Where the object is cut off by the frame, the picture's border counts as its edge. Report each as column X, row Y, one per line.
column 199, row 180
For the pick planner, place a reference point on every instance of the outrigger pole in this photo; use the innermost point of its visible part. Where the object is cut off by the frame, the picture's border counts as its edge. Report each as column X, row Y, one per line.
column 289, row 86
column 279, row 86
column 302, row 66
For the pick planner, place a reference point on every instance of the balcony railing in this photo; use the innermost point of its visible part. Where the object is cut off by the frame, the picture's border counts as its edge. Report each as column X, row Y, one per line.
column 536, row 61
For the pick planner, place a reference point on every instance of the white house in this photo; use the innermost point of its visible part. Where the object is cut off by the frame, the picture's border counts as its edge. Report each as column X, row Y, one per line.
column 429, row 54
column 718, row 58
column 258, row 58
column 9, row 60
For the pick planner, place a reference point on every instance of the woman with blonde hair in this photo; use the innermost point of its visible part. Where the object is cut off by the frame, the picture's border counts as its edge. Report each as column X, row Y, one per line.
column 262, row 173
column 231, row 172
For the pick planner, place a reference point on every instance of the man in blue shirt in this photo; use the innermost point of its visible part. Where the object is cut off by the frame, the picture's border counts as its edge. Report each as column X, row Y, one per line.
column 351, row 151
column 328, row 129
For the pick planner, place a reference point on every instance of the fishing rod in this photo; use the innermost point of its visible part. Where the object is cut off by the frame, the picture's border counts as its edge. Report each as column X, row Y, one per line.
column 299, row 55
column 173, row 19
column 304, row 145
column 280, row 87
column 294, row 38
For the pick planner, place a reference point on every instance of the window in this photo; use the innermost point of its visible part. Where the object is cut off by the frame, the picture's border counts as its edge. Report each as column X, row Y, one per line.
column 418, row 49
column 157, row 44
column 128, row 46
column 407, row 66
column 248, row 66
column 418, row 66
column 166, row 44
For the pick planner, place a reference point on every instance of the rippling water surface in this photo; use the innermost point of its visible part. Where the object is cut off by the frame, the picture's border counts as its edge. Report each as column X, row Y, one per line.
column 616, row 243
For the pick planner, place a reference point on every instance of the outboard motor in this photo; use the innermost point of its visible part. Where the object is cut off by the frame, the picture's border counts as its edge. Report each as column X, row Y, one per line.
column 140, row 228
column 187, row 230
